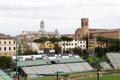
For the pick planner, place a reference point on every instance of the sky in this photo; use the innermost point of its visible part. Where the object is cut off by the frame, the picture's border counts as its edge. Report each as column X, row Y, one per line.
column 64, row 15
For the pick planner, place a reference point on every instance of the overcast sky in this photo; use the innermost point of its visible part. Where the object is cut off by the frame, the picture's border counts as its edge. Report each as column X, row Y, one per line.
column 64, row 15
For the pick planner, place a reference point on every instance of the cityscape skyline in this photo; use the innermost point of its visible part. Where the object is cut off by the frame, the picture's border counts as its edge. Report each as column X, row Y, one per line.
column 64, row 15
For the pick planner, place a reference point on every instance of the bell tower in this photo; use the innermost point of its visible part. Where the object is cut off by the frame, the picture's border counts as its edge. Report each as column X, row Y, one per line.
column 42, row 26
column 84, row 27
column 84, row 23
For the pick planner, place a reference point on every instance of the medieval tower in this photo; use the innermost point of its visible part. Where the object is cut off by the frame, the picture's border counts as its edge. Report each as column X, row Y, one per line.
column 83, row 32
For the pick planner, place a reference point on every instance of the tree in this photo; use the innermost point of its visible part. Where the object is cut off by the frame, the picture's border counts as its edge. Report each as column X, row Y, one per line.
column 85, row 53
column 6, row 62
column 99, row 51
column 54, row 40
column 113, row 45
column 57, row 49
column 77, row 50
column 30, row 52
column 41, row 40
column 64, row 38
column 92, row 60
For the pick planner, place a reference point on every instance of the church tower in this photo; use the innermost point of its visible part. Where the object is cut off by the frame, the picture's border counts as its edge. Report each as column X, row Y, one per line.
column 84, row 27
column 42, row 26
column 83, row 32
column 84, row 24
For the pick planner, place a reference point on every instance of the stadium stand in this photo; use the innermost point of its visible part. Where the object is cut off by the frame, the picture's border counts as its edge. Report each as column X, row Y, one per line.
column 50, row 64
column 114, row 59
column 4, row 76
column 31, row 63
column 105, row 66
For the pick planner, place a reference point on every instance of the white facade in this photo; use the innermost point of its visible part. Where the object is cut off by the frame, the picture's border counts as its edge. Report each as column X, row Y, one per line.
column 7, row 47
column 72, row 44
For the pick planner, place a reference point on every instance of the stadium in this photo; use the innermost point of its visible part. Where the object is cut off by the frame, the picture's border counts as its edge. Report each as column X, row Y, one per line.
column 63, row 67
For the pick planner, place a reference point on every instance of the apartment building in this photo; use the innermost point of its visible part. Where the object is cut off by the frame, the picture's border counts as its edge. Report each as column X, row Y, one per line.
column 7, row 45
column 72, row 44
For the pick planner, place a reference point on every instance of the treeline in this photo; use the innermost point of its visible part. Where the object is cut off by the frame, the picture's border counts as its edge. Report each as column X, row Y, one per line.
column 112, row 45
column 81, row 52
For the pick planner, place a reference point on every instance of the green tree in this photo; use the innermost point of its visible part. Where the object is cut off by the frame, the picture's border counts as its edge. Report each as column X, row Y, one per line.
column 85, row 53
column 77, row 50
column 113, row 45
column 104, row 58
column 6, row 62
column 57, row 49
column 93, row 61
column 41, row 40
column 99, row 51
column 54, row 40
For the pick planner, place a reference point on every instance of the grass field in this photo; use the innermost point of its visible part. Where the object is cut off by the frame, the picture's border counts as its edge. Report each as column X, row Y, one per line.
column 105, row 77
column 70, row 75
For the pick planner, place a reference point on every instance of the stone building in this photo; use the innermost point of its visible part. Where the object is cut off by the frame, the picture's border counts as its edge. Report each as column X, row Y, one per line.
column 89, row 34
column 108, row 33
column 40, row 33
column 84, row 31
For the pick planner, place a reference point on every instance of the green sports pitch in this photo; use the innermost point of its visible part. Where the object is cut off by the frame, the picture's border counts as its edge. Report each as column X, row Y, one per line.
column 104, row 77
column 115, row 76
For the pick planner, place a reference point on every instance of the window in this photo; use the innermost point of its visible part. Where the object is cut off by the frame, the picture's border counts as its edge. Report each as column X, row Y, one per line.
column 9, row 42
column 82, row 24
column 14, row 48
column 4, row 42
column 14, row 42
column 86, row 24
column 83, row 45
column 66, row 43
column 4, row 48
column 9, row 48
